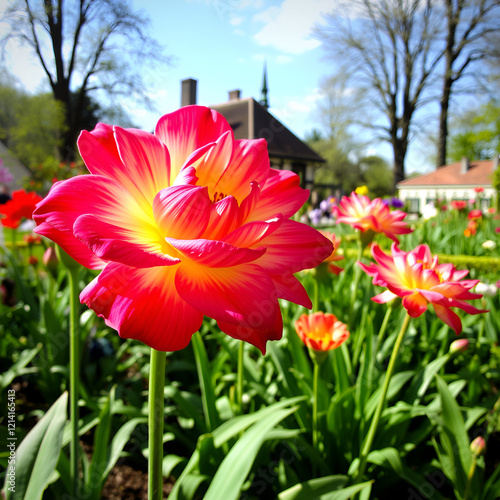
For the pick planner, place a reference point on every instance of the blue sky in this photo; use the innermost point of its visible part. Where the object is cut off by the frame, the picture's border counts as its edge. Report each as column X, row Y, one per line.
column 223, row 44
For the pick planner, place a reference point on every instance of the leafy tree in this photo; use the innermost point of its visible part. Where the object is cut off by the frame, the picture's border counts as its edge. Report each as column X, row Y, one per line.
column 377, row 175
column 470, row 28
column 31, row 126
column 84, row 46
column 390, row 46
column 478, row 134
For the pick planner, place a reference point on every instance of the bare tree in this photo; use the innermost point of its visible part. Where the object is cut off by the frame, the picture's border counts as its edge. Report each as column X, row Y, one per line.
column 470, row 26
column 84, row 46
column 390, row 47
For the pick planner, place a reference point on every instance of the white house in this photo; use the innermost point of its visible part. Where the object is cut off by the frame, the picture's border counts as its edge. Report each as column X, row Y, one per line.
column 457, row 181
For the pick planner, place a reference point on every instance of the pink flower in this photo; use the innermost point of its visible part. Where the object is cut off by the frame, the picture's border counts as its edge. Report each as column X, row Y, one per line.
column 419, row 279
column 365, row 214
column 184, row 223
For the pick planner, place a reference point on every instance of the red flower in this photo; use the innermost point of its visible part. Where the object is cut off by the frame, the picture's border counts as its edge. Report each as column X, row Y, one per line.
column 458, row 204
column 475, row 214
column 21, row 205
column 320, row 331
column 417, row 277
column 479, row 189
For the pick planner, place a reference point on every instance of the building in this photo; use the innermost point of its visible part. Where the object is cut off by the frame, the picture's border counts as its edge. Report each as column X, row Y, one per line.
column 251, row 119
column 457, row 181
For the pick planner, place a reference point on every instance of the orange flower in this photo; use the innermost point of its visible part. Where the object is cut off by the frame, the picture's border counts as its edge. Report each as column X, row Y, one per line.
column 333, row 257
column 320, row 331
column 471, row 228
column 365, row 214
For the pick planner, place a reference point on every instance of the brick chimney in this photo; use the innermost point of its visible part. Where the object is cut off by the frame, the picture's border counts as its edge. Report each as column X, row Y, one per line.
column 234, row 95
column 188, row 92
column 464, row 165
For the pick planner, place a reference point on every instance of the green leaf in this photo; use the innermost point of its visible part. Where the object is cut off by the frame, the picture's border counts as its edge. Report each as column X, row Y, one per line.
column 323, row 488
column 38, row 454
column 454, row 438
column 234, row 469
column 421, row 383
column 120, row 439
column 313, row 488
column 206, row 386
column 96, row 475
column 18, row 368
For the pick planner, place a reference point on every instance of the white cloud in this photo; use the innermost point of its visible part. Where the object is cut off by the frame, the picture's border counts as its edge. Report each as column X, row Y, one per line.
column 288, row 27
column 236, row 20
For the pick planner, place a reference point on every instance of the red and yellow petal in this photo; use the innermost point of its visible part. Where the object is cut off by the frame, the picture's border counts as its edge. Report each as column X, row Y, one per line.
column 214, row 254
column 71, row 245
column 182, row 211
column 281, row 194
column 143, row 304
column 146, row 164
column 294, row 247
column 186, row 130
column 242, row 295
column 117, row 244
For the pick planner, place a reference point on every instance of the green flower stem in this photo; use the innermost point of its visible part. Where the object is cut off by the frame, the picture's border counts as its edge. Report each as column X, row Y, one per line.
column 239, row 376
column 74, row 371
column 315, row 407
column 383, row 327
column 470, row 475
column 378, row 412
column 155, row 424
column 355, row 281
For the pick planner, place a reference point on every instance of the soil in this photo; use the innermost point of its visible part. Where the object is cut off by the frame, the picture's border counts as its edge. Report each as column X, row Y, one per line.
column 126, row 483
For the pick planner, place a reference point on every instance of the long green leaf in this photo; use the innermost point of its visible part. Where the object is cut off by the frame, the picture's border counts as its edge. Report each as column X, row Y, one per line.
column 313, row 488
column 38, row 454
column 206, row 386
column 454, row 438
column 101, row 441
column 234, row 469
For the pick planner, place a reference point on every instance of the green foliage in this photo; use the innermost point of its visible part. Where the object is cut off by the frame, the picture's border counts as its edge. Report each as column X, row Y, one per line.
column 478, row 134
column 30, row 125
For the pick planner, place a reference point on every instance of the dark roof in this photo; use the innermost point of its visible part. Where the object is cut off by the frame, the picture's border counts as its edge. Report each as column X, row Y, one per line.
column 250, row 120
column 479, row 173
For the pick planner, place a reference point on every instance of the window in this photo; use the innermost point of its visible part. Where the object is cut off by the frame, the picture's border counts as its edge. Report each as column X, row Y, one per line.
column 413, row 205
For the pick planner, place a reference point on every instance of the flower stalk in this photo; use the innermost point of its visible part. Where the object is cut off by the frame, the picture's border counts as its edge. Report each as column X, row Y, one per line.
column 155, row 423
column 380, row 406
column 74, row 371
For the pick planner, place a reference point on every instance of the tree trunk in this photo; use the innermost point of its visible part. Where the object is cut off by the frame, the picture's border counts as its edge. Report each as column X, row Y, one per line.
column 443, row 123
column 399, row 161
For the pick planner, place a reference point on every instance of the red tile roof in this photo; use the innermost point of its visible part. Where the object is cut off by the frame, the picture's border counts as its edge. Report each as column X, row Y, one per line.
column 479, row 173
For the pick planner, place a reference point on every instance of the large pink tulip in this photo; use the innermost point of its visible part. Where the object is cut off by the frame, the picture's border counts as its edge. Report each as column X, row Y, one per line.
column 184, row 222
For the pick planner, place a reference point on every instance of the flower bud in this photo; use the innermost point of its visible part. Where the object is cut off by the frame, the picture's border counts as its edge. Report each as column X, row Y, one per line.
column 50, row 260
column 478, row 446
column 459, row 345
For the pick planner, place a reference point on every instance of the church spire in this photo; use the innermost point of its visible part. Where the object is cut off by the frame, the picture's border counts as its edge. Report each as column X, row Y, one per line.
column 263, row 99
